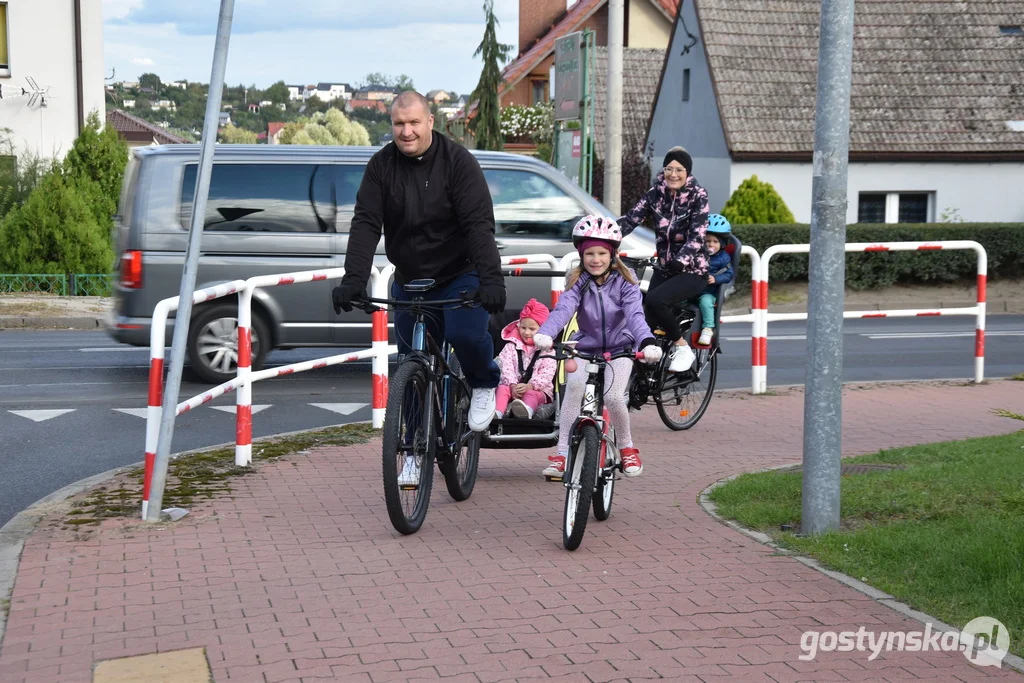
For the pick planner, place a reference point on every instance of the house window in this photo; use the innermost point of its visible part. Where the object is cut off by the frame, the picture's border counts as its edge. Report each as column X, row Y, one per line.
column 686, row 85
column 894, row 207
column 1011, row 30
column 539, row 91
column 5, row 61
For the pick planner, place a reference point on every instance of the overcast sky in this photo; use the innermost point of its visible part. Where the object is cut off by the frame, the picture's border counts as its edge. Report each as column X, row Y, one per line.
column 305, row 41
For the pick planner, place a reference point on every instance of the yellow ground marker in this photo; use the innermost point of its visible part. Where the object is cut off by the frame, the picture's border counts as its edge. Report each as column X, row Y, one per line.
column 179, row 666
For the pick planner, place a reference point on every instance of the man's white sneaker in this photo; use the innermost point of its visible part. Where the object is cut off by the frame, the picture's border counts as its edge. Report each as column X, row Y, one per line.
column 706, row 335
column 410, row 474
column 682, row 358
column 520, row 409
column 481, row 409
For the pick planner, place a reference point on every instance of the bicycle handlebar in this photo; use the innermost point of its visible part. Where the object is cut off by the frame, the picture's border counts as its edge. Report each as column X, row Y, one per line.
column 565, row 351
column 368, row 304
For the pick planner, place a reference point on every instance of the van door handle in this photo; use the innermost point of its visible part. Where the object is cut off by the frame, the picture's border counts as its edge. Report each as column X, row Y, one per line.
column 502, row 246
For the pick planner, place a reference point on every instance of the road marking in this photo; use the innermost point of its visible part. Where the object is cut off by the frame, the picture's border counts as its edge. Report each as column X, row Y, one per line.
column 341, row 408
column 231, row 409
column 91, row 349
column 939, row 335
column 41, row 415
column 137, row 412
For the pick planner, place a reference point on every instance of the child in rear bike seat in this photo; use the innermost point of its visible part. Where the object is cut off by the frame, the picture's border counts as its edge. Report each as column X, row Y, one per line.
column 527, row 377
column 719, row 273
column 605, row 296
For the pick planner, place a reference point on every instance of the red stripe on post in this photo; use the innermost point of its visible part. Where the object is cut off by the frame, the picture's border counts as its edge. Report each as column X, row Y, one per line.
column 148, row 476
column 930, row 247
column 156, row 381
column 755, row 351
column 764, row 295
column 875, row 315
column 517, row 261
column 380, row 391
column 517, row 271
column 244, row 347
column 764, row 350
column 380, row 326
column 555, row 296
column 929, row 313
column 979, row 343
column 876, row 247
column 319, row 276
column 285, row 280
column 982, row 288
column 243, row 425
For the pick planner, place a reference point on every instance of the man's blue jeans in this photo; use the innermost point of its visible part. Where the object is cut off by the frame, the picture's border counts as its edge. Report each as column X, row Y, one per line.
column 465, row 327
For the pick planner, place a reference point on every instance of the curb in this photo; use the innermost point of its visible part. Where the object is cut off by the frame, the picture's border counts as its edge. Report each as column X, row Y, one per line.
column 21, row 526
column 881, row 597
column 50, row 322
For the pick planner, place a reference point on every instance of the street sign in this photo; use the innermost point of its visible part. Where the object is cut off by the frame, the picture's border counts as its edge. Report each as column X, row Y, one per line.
column 568, row 76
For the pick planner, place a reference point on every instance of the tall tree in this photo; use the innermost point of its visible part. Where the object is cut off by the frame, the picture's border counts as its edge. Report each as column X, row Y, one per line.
column 149, row 80
column 277, row 93
column 403, row 82
column 486, row 125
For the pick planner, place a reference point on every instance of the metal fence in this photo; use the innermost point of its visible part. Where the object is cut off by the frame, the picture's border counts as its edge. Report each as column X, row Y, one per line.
column 59, row 285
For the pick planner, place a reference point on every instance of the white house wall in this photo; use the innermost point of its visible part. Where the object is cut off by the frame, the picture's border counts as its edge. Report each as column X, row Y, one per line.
column 979, row 192
column 42, row 46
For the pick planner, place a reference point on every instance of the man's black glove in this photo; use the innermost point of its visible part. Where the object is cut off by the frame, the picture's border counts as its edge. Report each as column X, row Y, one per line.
column 492, row 298
column 344, row 294
column 674, row 267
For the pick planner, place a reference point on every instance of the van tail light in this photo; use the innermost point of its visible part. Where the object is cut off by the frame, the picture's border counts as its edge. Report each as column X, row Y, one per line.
column 131, row 269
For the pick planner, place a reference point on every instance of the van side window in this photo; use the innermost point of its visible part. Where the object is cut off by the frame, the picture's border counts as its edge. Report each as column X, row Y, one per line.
column 530, row 205
column 266, row 198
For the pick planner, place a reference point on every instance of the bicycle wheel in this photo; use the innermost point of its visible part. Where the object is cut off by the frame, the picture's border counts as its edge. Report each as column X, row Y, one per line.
column 582, row 474
column 408, row 452
column 459, row 467
column 683, row 397
column 605, row 490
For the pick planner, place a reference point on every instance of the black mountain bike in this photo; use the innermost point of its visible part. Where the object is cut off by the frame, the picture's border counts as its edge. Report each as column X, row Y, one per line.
column 682, row 398
column 427, row 418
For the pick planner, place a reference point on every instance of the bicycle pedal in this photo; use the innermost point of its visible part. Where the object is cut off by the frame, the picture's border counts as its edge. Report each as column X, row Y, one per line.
column 548, row 477
column 408, row 487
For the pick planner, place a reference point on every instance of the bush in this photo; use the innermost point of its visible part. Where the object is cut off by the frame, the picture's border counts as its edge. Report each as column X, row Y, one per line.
column 18, row 176
column 1003, row 242
column 756, row 202
column 57, row 231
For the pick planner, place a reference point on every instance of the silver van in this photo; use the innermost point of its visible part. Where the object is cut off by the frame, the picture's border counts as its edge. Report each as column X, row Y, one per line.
column 284, row 208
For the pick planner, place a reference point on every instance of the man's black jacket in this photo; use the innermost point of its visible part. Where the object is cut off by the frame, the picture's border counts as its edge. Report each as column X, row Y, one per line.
column 436, row 213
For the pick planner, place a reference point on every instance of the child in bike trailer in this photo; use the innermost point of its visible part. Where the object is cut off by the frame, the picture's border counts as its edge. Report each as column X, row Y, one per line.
column 605, row 296
column 720, row 273
column 526, row 376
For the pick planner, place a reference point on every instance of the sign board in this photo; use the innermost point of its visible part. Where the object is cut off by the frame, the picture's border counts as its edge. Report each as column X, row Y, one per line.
column 568, row 76
column 570, row 152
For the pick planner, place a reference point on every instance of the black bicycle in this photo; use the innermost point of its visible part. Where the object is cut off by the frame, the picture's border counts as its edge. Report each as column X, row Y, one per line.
column 682, row 398
column 427, row 417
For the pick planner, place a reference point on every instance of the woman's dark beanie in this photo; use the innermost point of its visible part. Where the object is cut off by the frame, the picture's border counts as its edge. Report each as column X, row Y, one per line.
column 682, row 156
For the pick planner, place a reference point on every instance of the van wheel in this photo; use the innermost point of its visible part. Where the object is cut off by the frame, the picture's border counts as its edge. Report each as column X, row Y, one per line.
column 213, row 343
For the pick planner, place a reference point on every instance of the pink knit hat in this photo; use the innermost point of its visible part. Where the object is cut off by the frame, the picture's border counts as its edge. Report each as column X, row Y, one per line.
column 535, row 310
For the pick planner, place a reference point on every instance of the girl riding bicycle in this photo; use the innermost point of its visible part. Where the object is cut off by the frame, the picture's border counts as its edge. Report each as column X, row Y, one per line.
column 605, row 296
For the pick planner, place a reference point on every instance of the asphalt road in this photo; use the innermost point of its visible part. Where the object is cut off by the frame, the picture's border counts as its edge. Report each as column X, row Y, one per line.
column 72, row 404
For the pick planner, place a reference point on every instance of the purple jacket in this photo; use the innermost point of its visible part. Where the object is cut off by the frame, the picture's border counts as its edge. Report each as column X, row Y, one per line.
column 610, row 316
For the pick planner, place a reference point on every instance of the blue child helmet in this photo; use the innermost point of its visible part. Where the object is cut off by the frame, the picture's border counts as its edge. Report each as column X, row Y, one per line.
column 718, row 223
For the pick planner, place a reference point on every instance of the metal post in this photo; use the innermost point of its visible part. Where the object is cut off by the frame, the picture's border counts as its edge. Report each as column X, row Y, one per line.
column 188, row 278
column 824, row 385
column 613, row 114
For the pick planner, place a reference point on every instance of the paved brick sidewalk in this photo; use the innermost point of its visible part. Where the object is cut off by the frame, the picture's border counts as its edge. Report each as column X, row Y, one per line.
column 298, row 575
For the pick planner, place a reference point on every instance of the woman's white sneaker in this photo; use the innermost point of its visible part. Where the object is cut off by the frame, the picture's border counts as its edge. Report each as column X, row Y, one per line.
column 682, row 358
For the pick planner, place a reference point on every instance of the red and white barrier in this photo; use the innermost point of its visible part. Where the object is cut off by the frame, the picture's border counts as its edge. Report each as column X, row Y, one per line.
column 534, row 259
column 760, row 295
column 157, row 337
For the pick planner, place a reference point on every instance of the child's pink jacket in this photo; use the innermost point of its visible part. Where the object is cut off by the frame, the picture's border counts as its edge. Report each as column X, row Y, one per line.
column 508, row 360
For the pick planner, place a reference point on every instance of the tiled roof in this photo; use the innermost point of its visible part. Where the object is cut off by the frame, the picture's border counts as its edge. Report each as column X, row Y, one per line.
column 928, row 75
column 131, row 126
column 640, row 68
column 571, row 21
column 274, row 126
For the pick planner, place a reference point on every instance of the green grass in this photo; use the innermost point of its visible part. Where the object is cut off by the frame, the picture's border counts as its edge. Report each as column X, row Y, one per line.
column 945, row 534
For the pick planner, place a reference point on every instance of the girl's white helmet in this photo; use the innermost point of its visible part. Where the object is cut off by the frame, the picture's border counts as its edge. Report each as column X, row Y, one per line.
column 596, row 227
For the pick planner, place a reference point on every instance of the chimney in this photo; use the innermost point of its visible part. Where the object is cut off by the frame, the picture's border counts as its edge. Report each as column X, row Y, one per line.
column 535, row 18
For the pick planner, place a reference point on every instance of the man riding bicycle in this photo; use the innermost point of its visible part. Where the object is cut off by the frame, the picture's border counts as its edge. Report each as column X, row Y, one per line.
column 430, row 196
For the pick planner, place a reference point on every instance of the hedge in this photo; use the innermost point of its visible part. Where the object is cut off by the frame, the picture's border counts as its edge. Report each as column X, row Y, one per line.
column 1003, row 242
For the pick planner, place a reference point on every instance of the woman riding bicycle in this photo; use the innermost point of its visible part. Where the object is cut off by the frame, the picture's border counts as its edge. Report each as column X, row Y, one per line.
column 678, row 206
